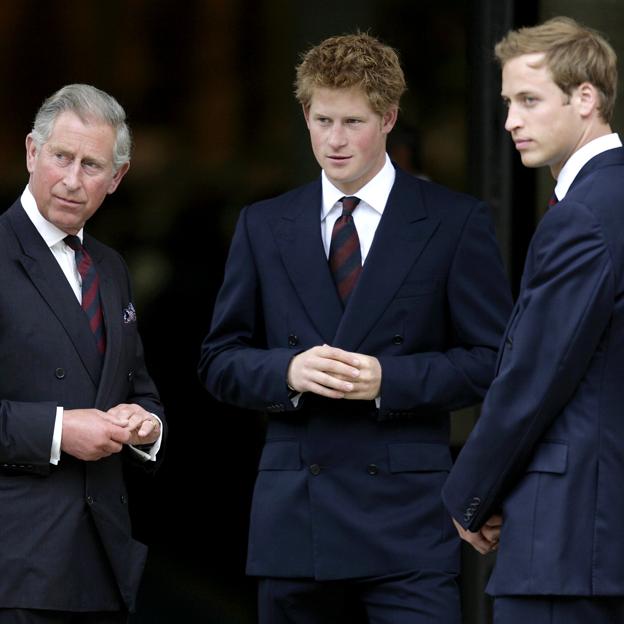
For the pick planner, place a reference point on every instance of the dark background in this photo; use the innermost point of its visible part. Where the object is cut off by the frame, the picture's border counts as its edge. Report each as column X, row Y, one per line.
column 207, row 86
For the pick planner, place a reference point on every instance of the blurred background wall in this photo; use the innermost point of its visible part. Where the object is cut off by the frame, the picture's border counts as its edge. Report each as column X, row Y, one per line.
column 207, row 85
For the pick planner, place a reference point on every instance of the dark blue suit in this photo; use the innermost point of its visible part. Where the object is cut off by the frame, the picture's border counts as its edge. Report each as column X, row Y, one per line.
column 344, row 489
column 549, row 447
column 65, row 539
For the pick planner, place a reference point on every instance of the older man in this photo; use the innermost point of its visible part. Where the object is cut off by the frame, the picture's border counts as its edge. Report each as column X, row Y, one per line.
column 75, row 396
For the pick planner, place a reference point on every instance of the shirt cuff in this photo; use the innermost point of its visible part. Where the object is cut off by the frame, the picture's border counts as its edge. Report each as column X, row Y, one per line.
column 55, row 452
column 150, row 453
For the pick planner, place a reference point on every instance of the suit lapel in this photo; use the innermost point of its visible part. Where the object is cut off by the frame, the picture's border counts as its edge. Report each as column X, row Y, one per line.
column 298, row 237
column 112, row 310
column 45, row 273
column 403, row 232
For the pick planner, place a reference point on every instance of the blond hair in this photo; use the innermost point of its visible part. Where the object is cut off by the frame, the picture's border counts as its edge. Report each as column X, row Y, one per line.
column 573, row 53
column 352, row 61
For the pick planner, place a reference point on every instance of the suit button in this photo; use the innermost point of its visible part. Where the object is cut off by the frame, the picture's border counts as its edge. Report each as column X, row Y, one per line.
column 90, row 500
column 130, row 375
column 315, row 469
column 59, row 373
column 123, row 499
column 397, row 339
column 293, row 340
column 372, row 469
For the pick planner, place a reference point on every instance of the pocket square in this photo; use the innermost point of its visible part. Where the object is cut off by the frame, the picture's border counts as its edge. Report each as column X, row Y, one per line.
column 129, row 314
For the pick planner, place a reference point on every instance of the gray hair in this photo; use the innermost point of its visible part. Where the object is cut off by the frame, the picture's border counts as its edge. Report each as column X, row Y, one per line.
column 87, row 103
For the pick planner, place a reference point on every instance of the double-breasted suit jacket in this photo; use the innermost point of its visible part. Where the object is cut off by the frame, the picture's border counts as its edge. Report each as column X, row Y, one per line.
column 65, row 539
column 345, row 489
column 548, row 448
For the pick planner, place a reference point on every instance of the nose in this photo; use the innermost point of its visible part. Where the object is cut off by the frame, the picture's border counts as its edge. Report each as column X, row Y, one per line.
column 513, row 120
column 337, row 136
column 71, row 180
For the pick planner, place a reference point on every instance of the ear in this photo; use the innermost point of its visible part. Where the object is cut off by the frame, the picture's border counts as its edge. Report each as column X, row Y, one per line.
column 31, row 153
column 587, row 98
column 118, row 175
column 389, row 118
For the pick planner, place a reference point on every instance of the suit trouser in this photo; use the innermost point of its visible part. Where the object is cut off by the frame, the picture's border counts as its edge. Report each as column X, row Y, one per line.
column 423, row 597
column 558, row 610
column 42, row 616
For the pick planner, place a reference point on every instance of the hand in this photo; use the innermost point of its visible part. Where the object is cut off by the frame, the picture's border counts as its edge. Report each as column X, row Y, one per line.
column 367, row 384
column 325, row 370
column 486, row 539
column 142, row 426
column 90, row 434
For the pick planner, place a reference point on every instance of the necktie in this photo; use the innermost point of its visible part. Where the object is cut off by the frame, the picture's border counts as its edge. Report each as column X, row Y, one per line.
column 90, row 290
column 553, row 200
column 345, row 258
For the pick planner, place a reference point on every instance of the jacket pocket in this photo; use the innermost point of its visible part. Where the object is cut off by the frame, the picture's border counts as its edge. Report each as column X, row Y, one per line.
column 417, row 288
column 280, row 455
column 418, row 457
column 551, row 456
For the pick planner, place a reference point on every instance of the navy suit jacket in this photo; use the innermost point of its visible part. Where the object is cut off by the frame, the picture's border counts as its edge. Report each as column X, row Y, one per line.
column 549, row 445
column 65, row 540
column 345, row 489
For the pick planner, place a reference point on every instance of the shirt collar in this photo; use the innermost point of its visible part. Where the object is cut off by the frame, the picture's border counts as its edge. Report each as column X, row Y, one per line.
column 375, row 193
column 580, row 158
column 48, row 231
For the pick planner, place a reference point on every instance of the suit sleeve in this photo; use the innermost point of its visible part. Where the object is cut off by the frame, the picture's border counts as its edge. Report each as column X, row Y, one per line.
column 26, row 449
column 564, row 308
column 478, row 306
column 235, row 365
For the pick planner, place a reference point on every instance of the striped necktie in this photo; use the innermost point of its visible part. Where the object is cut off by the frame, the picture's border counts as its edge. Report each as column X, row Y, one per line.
column 345, row 258
column 90, row 287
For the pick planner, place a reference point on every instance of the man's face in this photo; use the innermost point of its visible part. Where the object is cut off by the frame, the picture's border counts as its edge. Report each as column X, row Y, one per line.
column 348, row 137
column 71, row 174
column 543, row 121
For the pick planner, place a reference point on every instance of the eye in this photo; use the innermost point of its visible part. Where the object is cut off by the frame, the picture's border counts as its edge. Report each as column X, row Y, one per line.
column 61, row 158
column 354, row 122
column 529, row 100
column 91, row 167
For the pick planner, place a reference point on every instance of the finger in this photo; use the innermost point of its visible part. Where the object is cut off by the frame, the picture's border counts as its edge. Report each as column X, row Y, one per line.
column 491, row 534
column 147, row 427
column 339, row 355
column 495, row 521
column 119, row 435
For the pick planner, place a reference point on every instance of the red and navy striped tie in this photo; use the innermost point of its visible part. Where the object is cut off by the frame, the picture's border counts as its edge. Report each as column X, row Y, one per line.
column 90, row 291
column 345, row 258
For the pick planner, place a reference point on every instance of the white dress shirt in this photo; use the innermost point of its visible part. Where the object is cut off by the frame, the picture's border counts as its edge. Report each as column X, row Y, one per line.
column 366, row 217
column 65, row 256
column 580, row 158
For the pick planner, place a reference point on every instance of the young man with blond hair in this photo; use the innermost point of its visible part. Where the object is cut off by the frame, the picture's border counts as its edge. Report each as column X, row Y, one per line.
column 356, row 312
column 546, row 458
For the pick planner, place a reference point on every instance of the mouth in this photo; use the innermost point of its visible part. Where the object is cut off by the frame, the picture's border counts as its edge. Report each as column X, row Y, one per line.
column 338, row 159
column 522, row 143
column 67, row 202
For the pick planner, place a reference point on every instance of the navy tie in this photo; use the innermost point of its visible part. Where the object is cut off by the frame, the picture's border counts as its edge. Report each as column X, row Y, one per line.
column 345, row 257
column 90, row 290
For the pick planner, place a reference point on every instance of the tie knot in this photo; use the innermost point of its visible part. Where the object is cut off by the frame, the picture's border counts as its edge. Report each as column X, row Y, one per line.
column 73, row 242
column 348, row 205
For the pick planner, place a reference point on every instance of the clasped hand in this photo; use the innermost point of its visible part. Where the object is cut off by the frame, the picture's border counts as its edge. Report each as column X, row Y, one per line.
column 485, row 540
column 336, row 374
column 91, row 434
